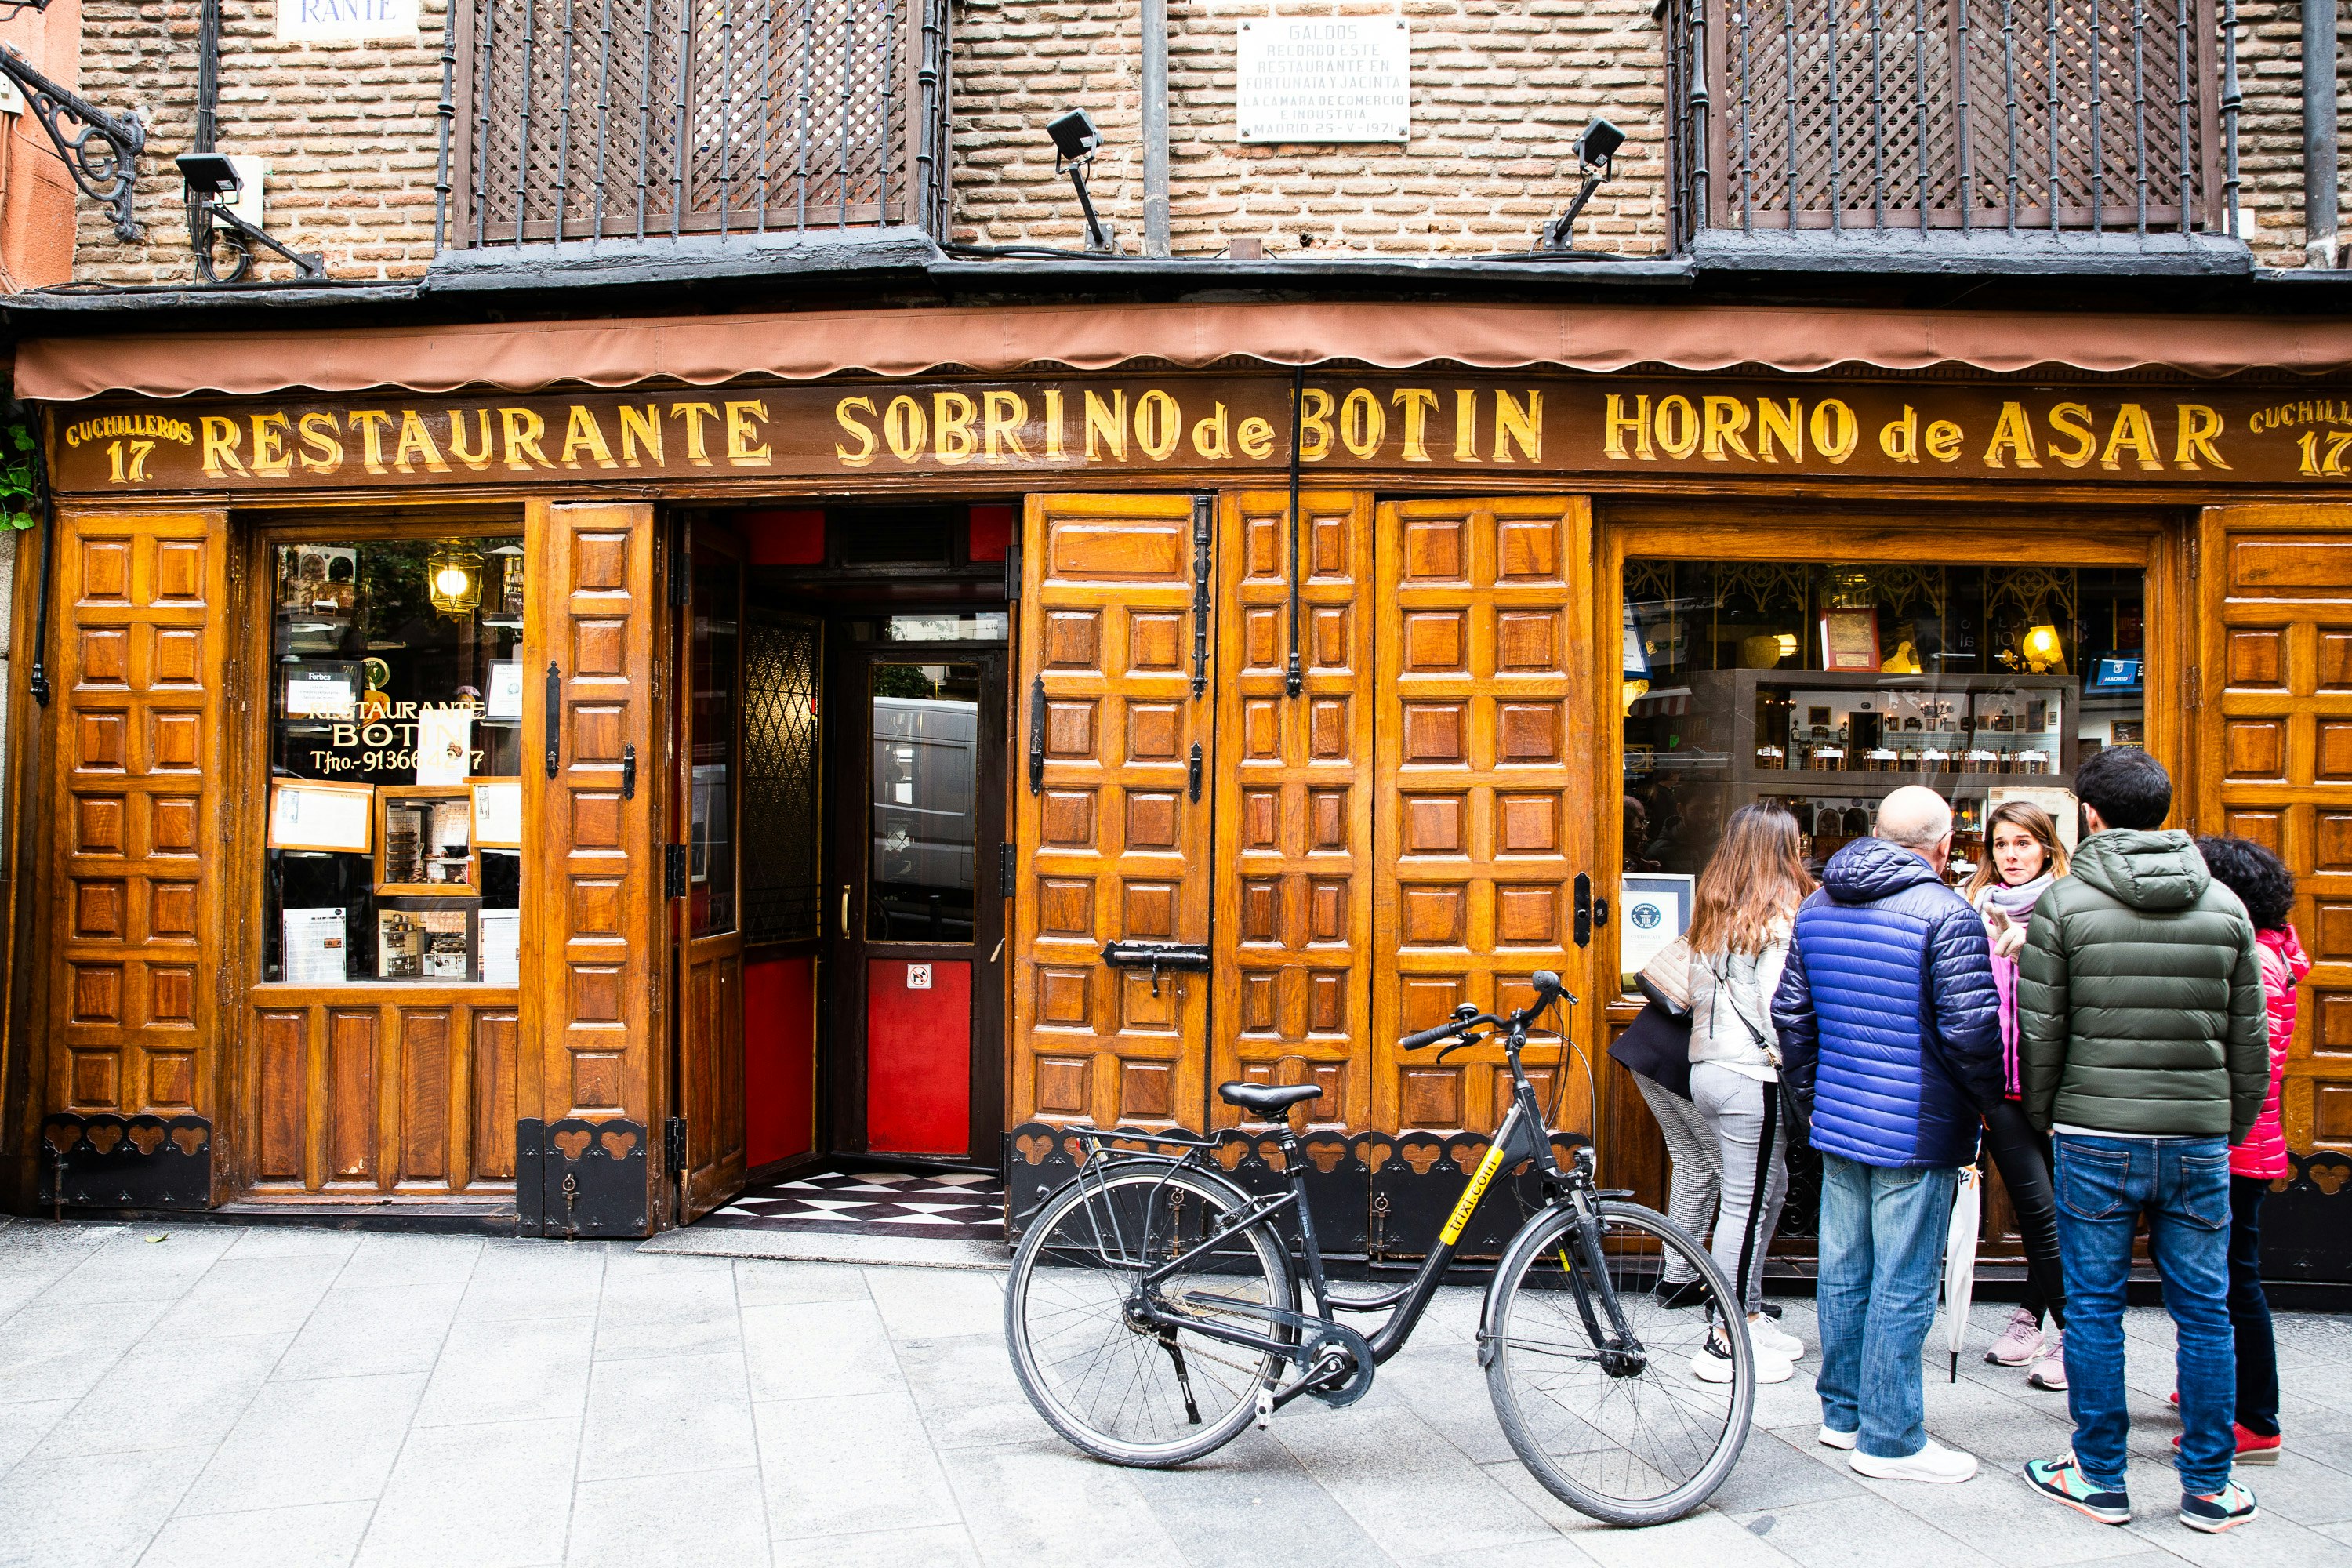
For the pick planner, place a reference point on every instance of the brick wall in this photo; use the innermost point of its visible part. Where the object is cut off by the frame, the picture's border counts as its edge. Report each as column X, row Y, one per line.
column 1501, row 88
column 2270, row 130
column 350, row 132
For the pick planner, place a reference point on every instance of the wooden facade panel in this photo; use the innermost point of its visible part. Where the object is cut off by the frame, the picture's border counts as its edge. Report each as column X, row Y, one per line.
column 139, row 774
column 494, row 1038
column 1112, row 844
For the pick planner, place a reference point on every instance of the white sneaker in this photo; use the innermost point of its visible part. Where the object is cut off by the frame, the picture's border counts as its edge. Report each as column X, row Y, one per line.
column 1932, row 1463
column 1831, row 1438
column 1766, row 1335
column 1709, row 1364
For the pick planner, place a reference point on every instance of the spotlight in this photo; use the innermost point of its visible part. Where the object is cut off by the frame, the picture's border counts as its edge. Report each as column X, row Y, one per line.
column 1075, row 143
column 1596, row 152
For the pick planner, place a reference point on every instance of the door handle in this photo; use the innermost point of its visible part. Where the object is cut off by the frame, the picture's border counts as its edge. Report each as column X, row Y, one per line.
column 1036, row 734
column 1193, row 773
column 629, row 773
column 1583, row 910
column 844, row 911
column 554, row 718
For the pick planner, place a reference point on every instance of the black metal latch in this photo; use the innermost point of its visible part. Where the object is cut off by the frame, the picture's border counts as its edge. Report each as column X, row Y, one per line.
column 673, row 870
column 1157, row 956
column 673, row 1145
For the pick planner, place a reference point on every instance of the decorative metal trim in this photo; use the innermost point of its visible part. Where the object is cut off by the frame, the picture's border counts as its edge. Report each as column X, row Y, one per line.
column 102, row 156
column 575, row 1178
column 104, row 1161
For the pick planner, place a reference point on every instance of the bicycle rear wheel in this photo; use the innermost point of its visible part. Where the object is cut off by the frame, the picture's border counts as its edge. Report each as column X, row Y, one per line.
column 1117, row 1384
column 1626, row 1431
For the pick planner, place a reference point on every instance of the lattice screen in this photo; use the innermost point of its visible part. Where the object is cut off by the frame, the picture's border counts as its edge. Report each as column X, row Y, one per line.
column 782, row 898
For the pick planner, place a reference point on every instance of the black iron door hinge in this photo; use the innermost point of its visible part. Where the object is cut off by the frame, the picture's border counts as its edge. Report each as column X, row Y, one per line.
column 1008, row 867
column 673, row 870
column 674, row 1145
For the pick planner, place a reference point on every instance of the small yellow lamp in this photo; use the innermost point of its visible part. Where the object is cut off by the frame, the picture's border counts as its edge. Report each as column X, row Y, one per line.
column 2043, row 654
column 453, row 579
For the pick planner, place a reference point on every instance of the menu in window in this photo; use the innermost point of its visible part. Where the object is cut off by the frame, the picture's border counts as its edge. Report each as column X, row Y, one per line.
column 501, row 946
column 318, row 943
column 504, row 698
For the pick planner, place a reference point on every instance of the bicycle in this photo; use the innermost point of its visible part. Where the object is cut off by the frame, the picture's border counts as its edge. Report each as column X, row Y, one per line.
column 1153, row 1313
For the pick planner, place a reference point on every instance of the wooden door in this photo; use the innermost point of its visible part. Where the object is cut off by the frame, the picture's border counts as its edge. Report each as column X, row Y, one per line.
column 1112, row 838
column 593, row 958
column 1485, row 746
column 2274, row 758
column 1294, row 949
column 706, row 911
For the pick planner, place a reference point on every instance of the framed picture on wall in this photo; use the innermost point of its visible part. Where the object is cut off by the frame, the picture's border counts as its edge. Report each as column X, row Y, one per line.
column 498, row 814
column 1653, row 908
column 305, row 814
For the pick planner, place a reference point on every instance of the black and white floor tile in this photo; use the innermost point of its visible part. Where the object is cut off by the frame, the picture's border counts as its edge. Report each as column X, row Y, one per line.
column 938, row 1207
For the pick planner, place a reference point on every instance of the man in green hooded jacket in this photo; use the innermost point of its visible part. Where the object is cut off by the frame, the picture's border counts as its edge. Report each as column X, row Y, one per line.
column 2144, row 1050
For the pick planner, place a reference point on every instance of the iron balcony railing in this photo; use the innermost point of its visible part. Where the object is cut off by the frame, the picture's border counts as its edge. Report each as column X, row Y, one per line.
column 565, row 120
column 1952, row 117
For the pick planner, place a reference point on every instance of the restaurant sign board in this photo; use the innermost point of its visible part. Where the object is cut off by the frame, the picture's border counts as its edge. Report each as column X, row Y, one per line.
column 1566, row 426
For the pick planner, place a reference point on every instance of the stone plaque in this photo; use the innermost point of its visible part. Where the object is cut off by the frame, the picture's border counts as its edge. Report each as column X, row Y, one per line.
column 1324, row 79
column 321, row 21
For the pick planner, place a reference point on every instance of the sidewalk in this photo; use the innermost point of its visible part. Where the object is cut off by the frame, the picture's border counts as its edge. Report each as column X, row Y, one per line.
column 194, row 1394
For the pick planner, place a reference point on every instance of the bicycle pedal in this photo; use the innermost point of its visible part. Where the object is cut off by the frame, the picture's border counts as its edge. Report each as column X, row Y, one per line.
column 1265, row 1408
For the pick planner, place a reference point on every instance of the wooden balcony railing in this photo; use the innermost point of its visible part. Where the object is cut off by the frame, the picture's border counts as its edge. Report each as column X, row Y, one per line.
column 566, row 119
column 1951, row 118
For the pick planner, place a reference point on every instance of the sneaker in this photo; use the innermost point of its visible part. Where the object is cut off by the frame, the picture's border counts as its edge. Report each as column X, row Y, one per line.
column 2050, row 1372
column 1831, row 1438
column 1712, row 1363
column 1768, row 1336
column 2020, row 1344
column 2225, row 1509
column 1773, row 1310
column 2061, row 1480
column 1688, row 1293
column 1933, row 1462
column 2253, row 1448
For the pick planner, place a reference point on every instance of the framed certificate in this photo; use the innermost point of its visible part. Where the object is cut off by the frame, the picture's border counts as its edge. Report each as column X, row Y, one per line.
column 308, row 815
column 1652, row 909
column 504, row 697
column 1850, row 639
column 322, row 688
column 498, row 814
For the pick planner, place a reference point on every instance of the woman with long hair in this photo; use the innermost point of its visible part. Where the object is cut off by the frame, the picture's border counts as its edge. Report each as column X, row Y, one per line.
column 1741, row 918
column 2022, row 858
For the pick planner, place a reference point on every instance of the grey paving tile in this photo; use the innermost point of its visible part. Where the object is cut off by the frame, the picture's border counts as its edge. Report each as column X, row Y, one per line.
column 327, row 1440
column 1863, row 1532
column 1251, row 1505
column 24, row 1426
column 2000, row 1516
column 533, row 1279
column 1775, row 1471
column 2266, row 1539
column 1045, row 1502
column 321, row 1535
column 967, row 1392
column 1443, row 1385
column 858, row 1462
column 497, row 1495
column 713, row 1518
column 657, row 1415
column 1410, row 1489
column 45, row 1251
column 168, row 1393
column 667, row 1313
column 251, row 1295
column 815, row 1349
column 260, row 1241
column 374, row 1329
column 397, row 1259
column 934, row 1303
column 89, row 1508
column 1701, row 1540
column 769, row 1282
column 55, row 1353
column 142, row 1265
column 2302, row 1489
column 527, row 1370
column 938, row 1546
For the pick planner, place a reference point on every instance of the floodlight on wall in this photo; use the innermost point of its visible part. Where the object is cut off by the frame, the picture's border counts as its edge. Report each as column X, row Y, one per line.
column 207, row 181
column 1596, row 155
column 1075, row 143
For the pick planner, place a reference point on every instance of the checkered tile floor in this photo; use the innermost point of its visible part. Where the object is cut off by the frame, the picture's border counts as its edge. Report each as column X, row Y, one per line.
column 938, row 1207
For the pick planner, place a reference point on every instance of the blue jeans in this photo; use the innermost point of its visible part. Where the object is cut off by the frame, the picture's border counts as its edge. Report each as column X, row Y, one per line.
column 1882, row 1257
column 2182, row 1184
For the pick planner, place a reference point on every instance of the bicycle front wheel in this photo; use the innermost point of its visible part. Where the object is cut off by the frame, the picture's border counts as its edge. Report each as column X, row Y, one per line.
column 1624, row 1407
column 1117, row 1384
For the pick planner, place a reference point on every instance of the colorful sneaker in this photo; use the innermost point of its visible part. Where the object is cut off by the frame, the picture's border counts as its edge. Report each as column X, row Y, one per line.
column 2020, row 1344
column 2050, row 1372
column 2061, row 1479
column 2225, row 1509
column 2253, row 1448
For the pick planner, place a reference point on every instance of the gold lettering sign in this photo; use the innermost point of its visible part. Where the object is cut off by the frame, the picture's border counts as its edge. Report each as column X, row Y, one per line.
column 1526, row 426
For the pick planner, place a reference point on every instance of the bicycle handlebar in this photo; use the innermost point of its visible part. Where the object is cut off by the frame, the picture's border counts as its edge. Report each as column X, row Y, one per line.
column 1548, row 990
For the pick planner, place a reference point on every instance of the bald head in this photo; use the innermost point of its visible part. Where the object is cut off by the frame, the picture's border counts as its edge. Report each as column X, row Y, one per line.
column 1916, row 817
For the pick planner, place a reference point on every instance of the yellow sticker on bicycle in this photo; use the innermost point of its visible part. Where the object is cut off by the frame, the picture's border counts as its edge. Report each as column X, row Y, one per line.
column 1472, row 1193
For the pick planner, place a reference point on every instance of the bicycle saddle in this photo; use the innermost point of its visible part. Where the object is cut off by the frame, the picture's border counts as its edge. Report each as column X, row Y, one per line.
column 1265, row 1099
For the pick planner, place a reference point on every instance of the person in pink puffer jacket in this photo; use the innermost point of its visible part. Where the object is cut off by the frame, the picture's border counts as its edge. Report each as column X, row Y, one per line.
column 2266, row 888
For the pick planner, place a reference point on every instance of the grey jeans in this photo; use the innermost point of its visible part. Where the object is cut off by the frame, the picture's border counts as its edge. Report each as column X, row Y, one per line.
column 1696, row 1179
column 1731, row 1104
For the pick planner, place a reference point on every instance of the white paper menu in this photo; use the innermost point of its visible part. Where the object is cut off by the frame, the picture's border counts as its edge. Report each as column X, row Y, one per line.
column 318, row 943
column 501, row 947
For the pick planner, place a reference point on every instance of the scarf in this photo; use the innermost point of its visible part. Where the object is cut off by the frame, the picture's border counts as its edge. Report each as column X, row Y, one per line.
column 2016, row 902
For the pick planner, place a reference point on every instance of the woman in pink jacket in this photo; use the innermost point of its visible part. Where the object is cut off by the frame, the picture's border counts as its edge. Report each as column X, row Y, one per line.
column 2266, row 888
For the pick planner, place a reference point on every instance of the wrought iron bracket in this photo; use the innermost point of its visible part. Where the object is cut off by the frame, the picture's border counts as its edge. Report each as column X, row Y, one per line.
column 212, row 221
column 100, row 150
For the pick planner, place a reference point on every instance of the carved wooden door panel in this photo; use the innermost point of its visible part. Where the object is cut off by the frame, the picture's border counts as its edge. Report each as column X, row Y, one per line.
column 1111, row 815
column 1294, row 950
column 138, row 928
column 593, row 959
column 1484, row 733
column 2273, row 755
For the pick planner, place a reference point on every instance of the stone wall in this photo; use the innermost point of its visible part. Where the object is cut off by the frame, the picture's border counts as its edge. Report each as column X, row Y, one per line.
column 2270, row 130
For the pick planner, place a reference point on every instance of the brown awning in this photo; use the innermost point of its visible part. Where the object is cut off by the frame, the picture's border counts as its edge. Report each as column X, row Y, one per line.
column 705, row 350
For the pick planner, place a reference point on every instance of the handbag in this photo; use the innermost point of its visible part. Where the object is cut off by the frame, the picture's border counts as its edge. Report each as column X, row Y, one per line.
column 1657, row 1046
column 1665, row 979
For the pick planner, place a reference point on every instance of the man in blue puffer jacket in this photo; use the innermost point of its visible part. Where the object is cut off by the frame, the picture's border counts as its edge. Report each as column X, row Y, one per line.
column 1890, row 1035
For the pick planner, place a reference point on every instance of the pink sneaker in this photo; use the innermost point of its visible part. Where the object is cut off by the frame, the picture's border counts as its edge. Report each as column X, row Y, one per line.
column 2050, row 1372
column 2020, row 1344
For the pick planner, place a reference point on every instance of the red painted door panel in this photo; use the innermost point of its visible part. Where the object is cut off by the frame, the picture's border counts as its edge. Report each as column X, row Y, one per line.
column 918, row 1058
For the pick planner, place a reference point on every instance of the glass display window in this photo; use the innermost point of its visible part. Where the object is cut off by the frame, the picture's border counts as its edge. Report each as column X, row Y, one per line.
column 394, row 760
column 1821, row 687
